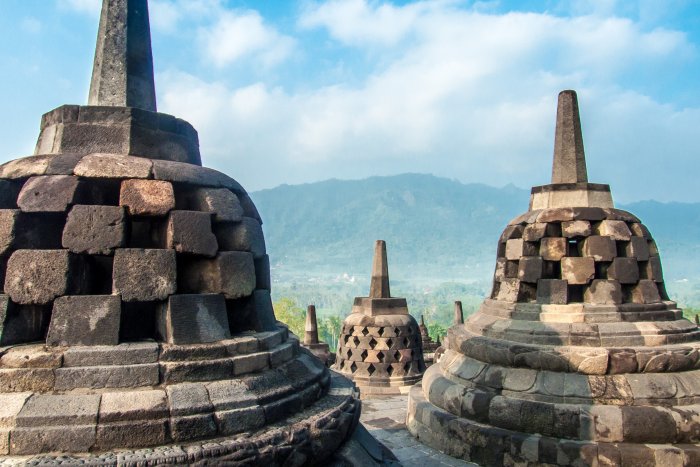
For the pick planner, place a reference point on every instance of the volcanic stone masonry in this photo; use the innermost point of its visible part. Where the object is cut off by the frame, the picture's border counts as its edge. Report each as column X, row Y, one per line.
column 380, row 343
column 136, row 325
column 578, row 357
column 429, row 347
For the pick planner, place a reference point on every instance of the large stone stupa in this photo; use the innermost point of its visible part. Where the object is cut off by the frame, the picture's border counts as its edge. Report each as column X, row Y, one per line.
column 578, row 357
column 136, row 326
column 380, row 342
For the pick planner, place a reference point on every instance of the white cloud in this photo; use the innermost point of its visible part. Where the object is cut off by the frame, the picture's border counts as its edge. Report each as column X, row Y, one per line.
column 168, row 15
column 470, row 96
column 239, row 34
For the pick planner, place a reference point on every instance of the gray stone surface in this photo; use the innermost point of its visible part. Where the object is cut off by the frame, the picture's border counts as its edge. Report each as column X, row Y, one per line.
column 246, row 235
column 85, row 320
column 577, row 270
column 221, row 202
column 263, row 279
column 36, row 277
column 95, row 230
column 569, row 157
column 49, row 193
column 133, row 405
column 113, row 166
column 98, row 377
column 143, row 274
column 131, row 353
column 147, row 197
column 193, row 319
column 123, row 70
column 8, row 226
column 190, row 232
column 231, row 273
column 59, row 410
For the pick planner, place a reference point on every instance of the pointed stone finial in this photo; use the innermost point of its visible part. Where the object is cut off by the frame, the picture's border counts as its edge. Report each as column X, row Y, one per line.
column 311, row 327
column 697, row 320
column 437, row 341
column 569, row 157
column 459, row 315
column 122, row 74
column 422, row 321
column 379, row 287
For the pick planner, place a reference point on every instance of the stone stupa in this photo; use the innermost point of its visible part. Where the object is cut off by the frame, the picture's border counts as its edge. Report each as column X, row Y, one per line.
column 380, row 342
column 136, row 326
column 578, row 357
column 429, row 346
column 311, row 341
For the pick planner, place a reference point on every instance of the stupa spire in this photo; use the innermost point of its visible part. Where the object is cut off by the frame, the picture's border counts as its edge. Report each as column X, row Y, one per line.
column 122, row 74
column 569, row 156
column 379, row 287
column 311, row 327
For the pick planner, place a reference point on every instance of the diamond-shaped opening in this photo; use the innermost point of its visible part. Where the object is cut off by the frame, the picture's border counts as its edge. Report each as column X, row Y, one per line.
column 346, row 338
column 371, row 369
column 364, row 355
column 406, row 341
column 389, row 342
column 397, row 355
column 396, row 331
column 407, row 366
column 380, row 356
column 390, row 370
column 356, row 341
column 365, row 331
column 372, row 343
column 353, row 367
column 381, row 332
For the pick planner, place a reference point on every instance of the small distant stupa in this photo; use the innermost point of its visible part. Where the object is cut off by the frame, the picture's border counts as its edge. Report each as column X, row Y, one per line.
column 578, row 357
column 380, row 343
column 311, row 340
column 429, row 346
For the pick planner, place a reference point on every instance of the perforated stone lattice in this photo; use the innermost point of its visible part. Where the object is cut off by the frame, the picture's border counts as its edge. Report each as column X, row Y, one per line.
column 578, row 255
column 159, row 237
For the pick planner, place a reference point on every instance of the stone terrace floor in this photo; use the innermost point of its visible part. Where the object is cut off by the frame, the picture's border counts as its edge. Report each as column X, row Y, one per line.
column 385, row 418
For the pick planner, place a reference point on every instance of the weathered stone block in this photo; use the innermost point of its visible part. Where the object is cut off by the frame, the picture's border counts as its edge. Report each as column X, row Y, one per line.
column 8, row 226
column 246, row 235
column 36, row 277
column 577, row 270
column 95, row 230
column 652, row 269
column 553, row 248
column 85, row 320
column 536, row 231
column 554, row 291
column 263, row 280
column 508, row 290
column 640, row 230
column 231, row 273
column 230, row 394
column 30, row 356
column 579, row 228
column 624, row 270
column 188, row 399
column 210, row 370
column 194, row 174
column 222, row 203
column 193, row 319
column 506, row 269
column 131, row 434
column 26, row 379
column 133, row 405
column 250, row 363
column 646, row 291
column 48, row 193
column 20, row 324
column 618, row 230
column 264, row 316
column 517, row 248
column 69, row 438
column 147, row 197
column 144, row 275
column 240, row 420
column 59, row 410
column 113, row 166
column 637, row 248
column 10, row 406
column 131, row 353
column 192, row 427
column 603, row 292
column 530, row 269
column 599, row 248
column 190, row 232
column 97, row 377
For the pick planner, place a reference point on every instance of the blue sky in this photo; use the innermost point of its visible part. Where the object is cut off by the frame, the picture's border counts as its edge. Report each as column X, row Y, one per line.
column 299, row 91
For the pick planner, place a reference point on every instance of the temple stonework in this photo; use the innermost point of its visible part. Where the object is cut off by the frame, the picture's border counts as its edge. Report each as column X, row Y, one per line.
column 136, row 325
column 578, row 357
column 429, row 346
column 311, row 341
column 380, row 343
